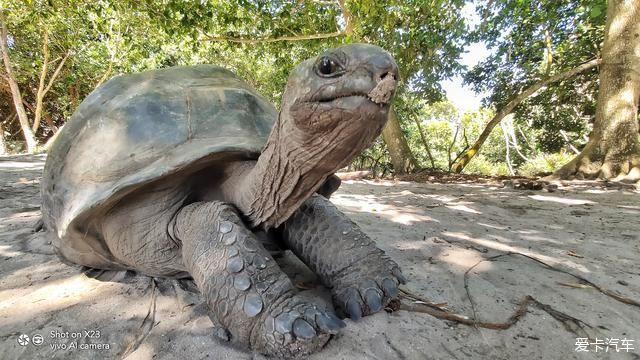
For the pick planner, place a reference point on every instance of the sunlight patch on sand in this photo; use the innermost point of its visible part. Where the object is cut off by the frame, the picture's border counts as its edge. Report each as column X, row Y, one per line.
column 53, row 296
column 508, row 248
column 497, row 227
column 21, row 165
column 406, row 215
column 464, row 259
column 561, row 200
column 464, row 208
column 5, row 250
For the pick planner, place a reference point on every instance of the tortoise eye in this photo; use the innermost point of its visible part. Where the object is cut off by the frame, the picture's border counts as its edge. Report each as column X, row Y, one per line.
column 327, row 67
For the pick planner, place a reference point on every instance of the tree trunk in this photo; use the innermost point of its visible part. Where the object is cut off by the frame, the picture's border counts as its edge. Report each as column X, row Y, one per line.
column 15, row 91
column 42, row 91
column 53, row 138
column 401, row 157
column 507, row 109
column 43, row 77
column 613, row 149
column 3, row 145
column 425, row 143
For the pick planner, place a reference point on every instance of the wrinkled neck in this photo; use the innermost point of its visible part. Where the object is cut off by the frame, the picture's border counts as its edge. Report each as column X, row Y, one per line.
column 280, row 181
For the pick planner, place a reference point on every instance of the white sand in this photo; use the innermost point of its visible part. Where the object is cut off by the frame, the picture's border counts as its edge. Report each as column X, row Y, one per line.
column 435, row 232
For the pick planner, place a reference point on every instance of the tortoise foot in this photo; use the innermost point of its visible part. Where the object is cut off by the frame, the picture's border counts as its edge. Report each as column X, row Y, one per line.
column 367, row 291
column 248, row 295
column 294, row 327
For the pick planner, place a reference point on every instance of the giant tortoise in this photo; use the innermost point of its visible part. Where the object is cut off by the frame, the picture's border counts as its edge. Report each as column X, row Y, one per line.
column 180, row 172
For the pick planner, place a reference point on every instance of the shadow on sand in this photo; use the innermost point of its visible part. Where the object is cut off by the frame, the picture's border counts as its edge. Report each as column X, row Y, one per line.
column 441, row 235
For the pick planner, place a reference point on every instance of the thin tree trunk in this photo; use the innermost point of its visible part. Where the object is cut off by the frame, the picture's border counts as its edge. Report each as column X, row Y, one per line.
column 401, row 157
column 43, row 78
column 49, row 142
column 613, row 149
column 506, row 110
column 41, row 94
column 453, row 142
column 15, row 90
column 3, row 145
column 424, row 142
column 74, row 97
column 509, row 129
column 508, row 155
column 568, row 141
column 51, row 124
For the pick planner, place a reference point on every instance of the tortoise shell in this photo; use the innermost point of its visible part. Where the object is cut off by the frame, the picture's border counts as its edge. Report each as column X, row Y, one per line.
column 138, row 128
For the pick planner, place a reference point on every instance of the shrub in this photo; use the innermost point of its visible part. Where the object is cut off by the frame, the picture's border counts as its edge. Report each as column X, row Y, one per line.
column 482, row 166
column 544, row 163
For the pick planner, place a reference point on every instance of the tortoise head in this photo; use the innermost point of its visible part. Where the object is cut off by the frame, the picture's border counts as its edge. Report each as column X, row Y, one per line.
column 336, row 104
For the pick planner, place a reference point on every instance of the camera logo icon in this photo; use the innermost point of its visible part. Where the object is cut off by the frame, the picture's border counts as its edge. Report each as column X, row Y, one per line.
column 23, row 340
column 37, row 340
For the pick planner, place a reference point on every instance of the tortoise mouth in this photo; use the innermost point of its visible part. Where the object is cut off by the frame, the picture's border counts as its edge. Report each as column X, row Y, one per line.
column 352, row 95
column 356, row 99
column 381, row 94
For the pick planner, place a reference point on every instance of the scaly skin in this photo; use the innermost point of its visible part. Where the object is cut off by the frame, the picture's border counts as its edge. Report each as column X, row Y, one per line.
column 104, row 210
column 363, row 279
column 247, row 293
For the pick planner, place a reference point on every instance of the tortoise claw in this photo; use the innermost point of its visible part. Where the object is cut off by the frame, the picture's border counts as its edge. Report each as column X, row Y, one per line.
column 398, row 274
column 373, row 299
column 365, row 296
column 329, row 323
column 303, row 329
column 390, row 287
column 354, row 310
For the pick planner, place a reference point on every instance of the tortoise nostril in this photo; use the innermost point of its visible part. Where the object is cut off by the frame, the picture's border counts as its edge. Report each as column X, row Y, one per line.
column 385, row 86
column 389, row 75
column 392, row 75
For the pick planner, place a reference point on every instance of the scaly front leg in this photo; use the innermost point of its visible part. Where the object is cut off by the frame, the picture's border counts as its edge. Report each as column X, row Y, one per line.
column 245, row 289
column 362, row 277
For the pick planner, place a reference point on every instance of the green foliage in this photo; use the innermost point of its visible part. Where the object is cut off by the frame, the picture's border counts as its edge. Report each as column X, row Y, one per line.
column 544, row 164
column 483, row 166
column 426, row 38
column 447, row 133
column 375, row 159
column 534, row 39
column 106, row 38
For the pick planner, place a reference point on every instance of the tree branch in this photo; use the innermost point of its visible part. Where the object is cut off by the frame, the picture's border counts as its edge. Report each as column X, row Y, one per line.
column 42, row 92
column 57, row 72
column 568, row 141
column 424, row 140
column 41, row 86
column 244, row 40
column 348, row 30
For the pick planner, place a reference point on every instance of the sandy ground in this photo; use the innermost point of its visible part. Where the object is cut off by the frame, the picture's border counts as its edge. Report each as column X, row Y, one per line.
column 436, row 232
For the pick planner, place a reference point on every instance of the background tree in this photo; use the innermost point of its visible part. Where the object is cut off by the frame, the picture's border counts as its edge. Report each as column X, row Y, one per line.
column 400, row 154
column 42, row 41
column 10, row 78
column 512, row 104
column 60, row 51
column 426, row 39
column 535, row 43
column 261, row 41
column 613, row 149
